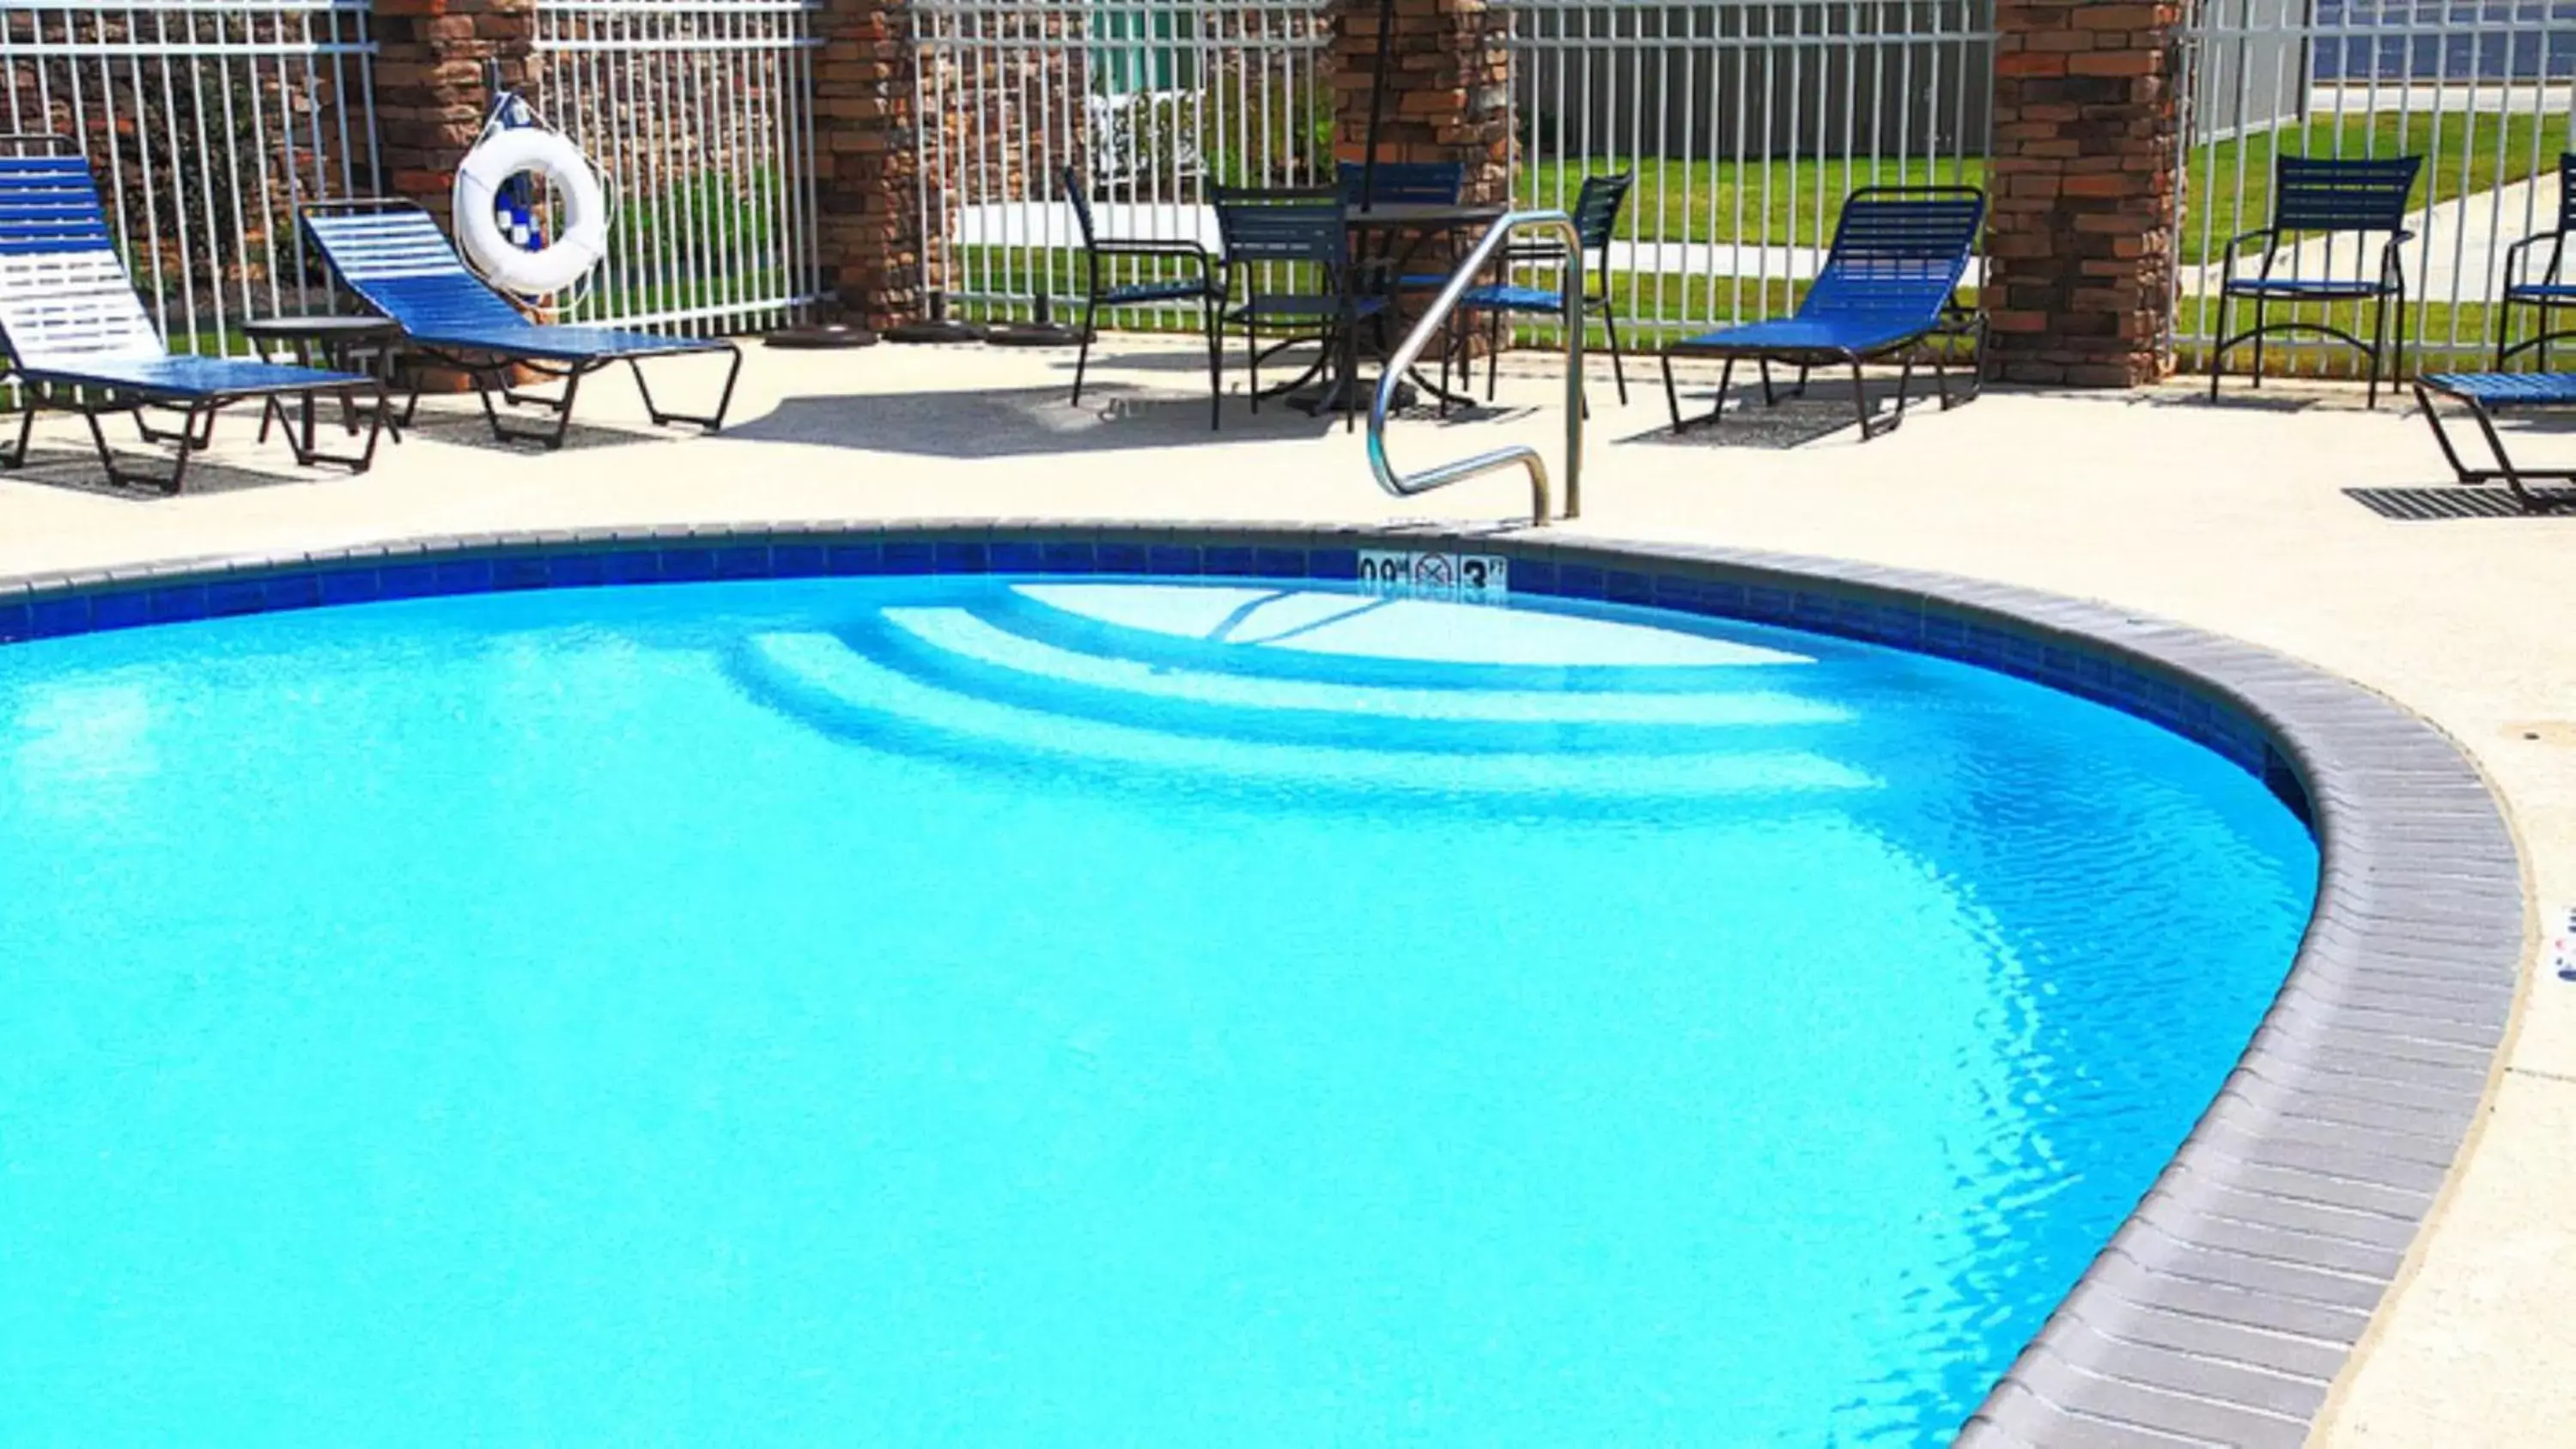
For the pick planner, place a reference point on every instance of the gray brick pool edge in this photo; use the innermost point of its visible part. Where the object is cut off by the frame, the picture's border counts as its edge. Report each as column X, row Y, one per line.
column 2227, row 1305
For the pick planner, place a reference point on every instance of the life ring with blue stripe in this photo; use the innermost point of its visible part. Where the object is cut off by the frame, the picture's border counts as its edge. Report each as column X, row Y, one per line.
column 486, row 176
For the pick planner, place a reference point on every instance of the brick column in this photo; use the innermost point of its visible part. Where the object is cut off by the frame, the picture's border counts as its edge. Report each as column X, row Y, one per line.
column 865, row 160
column 1448, row 95
column 2080, row 244
column 430, row 95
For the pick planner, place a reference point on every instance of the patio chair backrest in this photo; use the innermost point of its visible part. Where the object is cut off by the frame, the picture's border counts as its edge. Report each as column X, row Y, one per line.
column 1081, row 204
column 2320, row 194
column 1898, row 249
column 1284, row 226
column 392, row 254
column 1596, row 208
column 64, row 296
column 1404, row 183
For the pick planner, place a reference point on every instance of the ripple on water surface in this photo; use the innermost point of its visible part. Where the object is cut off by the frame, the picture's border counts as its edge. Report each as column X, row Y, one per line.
column 977, row 1011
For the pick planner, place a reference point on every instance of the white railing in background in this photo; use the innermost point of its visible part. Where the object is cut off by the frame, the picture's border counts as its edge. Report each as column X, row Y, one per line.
column 207, row 125
column 1746, row 122
column 2483, row 90
column 699, row 115
column 1153, row 102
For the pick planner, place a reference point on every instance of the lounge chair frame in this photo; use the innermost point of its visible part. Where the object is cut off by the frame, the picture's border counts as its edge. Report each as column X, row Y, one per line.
column 2482, row 411
column 195, row 432
column 489, row 368
column 1949, row 321
column 90, row 372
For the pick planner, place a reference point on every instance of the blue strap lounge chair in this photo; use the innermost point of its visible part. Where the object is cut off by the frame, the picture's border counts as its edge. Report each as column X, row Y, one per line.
column 2325, row 198
column 395, row 258
column 2553, row 289
column 78, row 339
column 1889, row 285
column 2484, row 394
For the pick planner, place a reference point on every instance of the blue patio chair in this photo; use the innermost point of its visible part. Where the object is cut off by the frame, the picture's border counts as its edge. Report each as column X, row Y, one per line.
column 2553, row 289
column 1301, row 239
column 2484, row 394
column 1889, row 285
column 393, row 256
column 2313, row 196
column 1405, row 183
column 1200, row 287
column 1401, row 183
column 1596, row 219
column 78, row 339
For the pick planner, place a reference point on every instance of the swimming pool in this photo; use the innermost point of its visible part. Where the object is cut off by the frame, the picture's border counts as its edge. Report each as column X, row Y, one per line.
column 1001, row 1009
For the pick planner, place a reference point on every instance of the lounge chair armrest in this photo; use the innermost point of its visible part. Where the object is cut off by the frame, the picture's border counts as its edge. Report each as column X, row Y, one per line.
column 2392, row 261
column 1186, row 250
column 2270, row 235
column 2514, row 254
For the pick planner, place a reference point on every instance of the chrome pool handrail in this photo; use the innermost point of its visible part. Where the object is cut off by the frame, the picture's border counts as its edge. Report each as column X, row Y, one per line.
column 1522, row 453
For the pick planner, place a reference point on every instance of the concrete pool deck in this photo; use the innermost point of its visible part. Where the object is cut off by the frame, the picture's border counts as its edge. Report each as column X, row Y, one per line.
column 2234, row 519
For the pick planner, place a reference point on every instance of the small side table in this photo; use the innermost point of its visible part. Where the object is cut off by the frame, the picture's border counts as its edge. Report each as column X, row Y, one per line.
column 332, row 341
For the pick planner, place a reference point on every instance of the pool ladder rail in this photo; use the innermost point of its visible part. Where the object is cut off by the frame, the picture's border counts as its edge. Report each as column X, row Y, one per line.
column 1523, row 454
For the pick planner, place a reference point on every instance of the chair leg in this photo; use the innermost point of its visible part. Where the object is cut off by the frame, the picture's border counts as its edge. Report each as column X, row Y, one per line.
column 1213, row 324
column 1082, row 359
column 713, row 422
column 1618, row 370
column 2378, row 343
column 1350, row 385
column 16, row 457
column 1252, row 362
column 2218, row 348
column 2261, row 305
column 1493, row 352
column 1860, row 401
column 1770, row 396
column 1672, row 394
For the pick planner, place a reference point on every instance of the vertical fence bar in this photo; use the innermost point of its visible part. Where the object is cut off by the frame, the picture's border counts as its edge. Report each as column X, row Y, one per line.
column 170, row 100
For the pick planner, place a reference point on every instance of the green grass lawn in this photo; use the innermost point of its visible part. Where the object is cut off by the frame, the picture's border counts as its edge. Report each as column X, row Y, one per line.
column 1781, row 203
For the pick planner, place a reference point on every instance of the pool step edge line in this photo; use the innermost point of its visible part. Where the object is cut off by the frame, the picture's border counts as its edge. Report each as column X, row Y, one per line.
column 964, row 637
column 822, row 669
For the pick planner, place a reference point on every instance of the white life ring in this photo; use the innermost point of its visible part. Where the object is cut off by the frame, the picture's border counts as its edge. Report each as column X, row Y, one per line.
column 578, row 244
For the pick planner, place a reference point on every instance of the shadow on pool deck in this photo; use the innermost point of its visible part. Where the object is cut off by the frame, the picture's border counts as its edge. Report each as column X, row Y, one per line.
column 1026, row 422
column 76, row 470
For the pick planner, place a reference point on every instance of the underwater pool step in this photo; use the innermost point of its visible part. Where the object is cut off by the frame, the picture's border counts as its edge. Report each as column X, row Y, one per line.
column 821, row 679
column 962, row 649
column 1309, row 633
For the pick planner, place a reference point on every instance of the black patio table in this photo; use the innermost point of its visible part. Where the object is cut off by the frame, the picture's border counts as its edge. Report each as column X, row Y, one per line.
column 1382, row 224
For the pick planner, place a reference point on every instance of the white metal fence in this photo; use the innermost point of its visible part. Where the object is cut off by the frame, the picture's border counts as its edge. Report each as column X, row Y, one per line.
column 207, row 125
column 2481, row 89
column 1151, row 102
column 1746, row 123
column 700, row 114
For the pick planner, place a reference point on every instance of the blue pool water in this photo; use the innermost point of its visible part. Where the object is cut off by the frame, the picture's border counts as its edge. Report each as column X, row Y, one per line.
column 984, row 1012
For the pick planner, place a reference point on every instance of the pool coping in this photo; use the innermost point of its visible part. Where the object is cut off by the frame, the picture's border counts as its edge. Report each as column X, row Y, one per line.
column 2226, row 1307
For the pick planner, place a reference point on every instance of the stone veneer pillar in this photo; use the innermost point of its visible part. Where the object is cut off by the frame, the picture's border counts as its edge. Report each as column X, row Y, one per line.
column 1448, row 91
column 430, row 92
column 2079, row 245
column 865, row 160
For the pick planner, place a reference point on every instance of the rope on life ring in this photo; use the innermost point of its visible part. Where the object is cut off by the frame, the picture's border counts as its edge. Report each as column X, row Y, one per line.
column 502, row 153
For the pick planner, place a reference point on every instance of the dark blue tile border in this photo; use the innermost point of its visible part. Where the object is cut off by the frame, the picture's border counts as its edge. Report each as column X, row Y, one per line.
column 2091, row 1374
